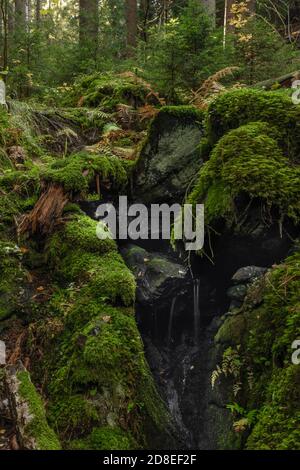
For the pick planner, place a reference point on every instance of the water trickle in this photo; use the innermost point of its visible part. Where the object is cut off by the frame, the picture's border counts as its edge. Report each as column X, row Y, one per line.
column 196, row 309
column 170, row 326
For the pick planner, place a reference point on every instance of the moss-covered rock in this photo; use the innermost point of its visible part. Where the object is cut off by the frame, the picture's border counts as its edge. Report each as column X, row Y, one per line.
column 107, row 90
column 247, row 161
column 169, row 158
column 236, row 108
column 106, row 438
column 267, row 382
column 99, row 376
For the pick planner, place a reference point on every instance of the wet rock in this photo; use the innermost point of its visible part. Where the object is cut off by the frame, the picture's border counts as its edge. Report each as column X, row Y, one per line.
column 158, row 276
column 170, row 158
column 237, row 293
column 248, row 274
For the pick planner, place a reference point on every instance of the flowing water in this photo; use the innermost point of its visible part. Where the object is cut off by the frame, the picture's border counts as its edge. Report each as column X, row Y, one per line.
column 196, row 310
column 171, row 319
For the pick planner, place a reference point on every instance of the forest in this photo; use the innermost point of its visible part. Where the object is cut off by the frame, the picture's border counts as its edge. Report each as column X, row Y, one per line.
column 134, row 340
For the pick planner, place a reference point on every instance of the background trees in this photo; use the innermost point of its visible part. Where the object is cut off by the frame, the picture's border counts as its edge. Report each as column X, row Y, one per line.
column 175, row 44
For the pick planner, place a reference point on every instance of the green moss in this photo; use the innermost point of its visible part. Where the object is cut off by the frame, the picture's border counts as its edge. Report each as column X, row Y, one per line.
column 86, row 118
column 189, row 112
column 18, row 193
column 73, row 414
column 81, row 234
column 4, row 125
column 38, row 427
column 270, row 383
column 106, row 438
column 247, row 161
column 78, row 171
column 107, row 90
column 72, row 208
column 98, row 361
column 236, row 108
column 12, row 280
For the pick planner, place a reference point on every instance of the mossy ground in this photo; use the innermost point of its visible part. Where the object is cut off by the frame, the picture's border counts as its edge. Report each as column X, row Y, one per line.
column 269, row 323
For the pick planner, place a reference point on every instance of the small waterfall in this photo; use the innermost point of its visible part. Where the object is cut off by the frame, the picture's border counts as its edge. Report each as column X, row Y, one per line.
column 154, row 324
column 196, row 309
column 170, row 326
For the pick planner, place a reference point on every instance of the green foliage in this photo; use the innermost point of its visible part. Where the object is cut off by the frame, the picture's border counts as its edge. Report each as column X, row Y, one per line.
column 174, row 55
column 261, row 52
column 38, row 427
column 12, row 281
column 106, row 438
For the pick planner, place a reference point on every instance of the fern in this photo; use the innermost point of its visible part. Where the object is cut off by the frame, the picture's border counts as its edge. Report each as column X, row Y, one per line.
column 211, row 87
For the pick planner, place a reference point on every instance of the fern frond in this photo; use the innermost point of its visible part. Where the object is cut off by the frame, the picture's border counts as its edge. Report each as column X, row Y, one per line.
column 210, row 87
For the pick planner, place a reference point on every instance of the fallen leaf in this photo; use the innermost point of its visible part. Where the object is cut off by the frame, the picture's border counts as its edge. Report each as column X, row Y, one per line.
column 106, row 319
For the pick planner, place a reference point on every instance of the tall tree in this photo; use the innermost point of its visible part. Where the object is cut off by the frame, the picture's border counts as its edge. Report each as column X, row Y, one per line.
column 145, row 8
column 4, row 20
column 211, row 7
column 20, row 13
column 38, row 5
column 131, row 23
column 89, row 25
column 228, row 16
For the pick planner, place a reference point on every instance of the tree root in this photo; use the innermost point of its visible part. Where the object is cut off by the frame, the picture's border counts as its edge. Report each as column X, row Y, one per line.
column 46, row 213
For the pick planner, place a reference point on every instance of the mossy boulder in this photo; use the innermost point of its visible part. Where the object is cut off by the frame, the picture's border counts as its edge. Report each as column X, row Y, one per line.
column 170, row 156
column 247, row 163
column 105, row 438
column 159, row 278
column 237, row 108
column 106, row 90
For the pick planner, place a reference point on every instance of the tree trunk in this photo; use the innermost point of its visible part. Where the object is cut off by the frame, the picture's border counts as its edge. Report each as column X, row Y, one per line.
column 251, row 6
column 228, row 16
column 20, row 13
column 211, row 8
column 38, row 12
column 131, row 22
column 10, row 20
column 4, row 17
column 89, row 25
column 144, row 15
